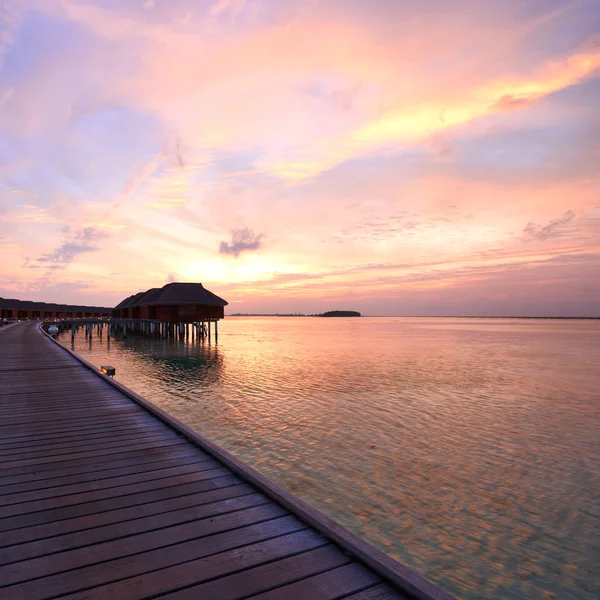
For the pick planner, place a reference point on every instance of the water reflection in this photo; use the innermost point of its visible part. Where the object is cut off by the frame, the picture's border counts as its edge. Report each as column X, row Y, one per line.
column 166, row 361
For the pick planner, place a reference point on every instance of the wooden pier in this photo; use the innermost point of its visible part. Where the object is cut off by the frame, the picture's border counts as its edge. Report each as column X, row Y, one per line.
column 103, row 495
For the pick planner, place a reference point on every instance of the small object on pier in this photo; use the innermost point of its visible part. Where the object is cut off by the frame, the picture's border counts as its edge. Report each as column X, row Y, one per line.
column 53, row 330
column 108, row 370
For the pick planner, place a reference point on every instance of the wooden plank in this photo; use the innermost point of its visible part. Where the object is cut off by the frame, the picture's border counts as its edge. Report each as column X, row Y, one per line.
column 330, row 584
column 274, row 574
column 103, row 463
column 134, row 536
column 86, row 445
column 89, row 508
column 9, row 467
column 100, row 423
column 381, row 591
column 29, row 499
column 98, row 476
column 46, row 390
column 16, row 403
column 66, row 416
column 36, row 506
column 166, row 579
column 31, row 407
column 94, row 434
column 56, row 379
column 218, row 561
column 19, row 428
column 82, row 531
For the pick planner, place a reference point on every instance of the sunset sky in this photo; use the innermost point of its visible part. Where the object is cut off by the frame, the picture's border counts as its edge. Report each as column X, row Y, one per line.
column 388, row 156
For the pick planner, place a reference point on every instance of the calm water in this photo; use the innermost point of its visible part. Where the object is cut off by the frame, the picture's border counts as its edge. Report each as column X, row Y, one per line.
column 468, row 449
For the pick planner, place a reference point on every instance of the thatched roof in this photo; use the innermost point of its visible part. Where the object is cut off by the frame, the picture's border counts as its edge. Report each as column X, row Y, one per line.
column 149, row 296
column 174, row 294
column 132, row 300
column 188, row 293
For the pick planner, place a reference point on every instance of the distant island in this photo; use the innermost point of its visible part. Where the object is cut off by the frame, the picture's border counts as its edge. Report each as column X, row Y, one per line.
column 330, row 313
column 268, row 315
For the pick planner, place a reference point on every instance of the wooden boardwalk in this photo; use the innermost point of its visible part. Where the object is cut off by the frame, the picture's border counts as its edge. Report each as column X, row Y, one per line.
column 100, row 498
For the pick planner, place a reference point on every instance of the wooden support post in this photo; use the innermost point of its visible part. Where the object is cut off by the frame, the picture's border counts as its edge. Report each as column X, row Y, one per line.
column 209, row 332
column 216, row 331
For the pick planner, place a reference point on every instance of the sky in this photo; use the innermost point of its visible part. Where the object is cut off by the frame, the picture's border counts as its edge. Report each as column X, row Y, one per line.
column 388, row 156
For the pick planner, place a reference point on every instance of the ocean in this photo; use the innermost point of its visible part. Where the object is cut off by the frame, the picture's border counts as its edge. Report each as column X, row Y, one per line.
column 468, row 449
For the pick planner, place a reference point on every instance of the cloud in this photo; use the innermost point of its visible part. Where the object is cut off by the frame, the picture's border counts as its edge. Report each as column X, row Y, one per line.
column 242, row 240
column 171, row 277
column 509, row 102
column 303, row 135
column 554, row 228
column 232, row 6
column 10, row 20
column 48, row 285
column 84, row 241
column 142, row 175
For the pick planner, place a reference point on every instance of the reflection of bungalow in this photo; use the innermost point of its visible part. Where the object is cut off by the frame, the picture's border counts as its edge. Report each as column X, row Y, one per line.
column 173, row 303
column 10, row 308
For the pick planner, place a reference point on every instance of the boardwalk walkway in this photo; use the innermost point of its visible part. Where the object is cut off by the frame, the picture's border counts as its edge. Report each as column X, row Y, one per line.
column 101, row 499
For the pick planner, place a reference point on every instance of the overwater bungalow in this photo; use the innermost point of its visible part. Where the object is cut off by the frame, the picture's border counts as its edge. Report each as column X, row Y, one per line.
column 11, row 308
column 173, row 303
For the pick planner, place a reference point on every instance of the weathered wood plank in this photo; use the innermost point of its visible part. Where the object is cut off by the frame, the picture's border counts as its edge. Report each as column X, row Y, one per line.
column 218, row 562
column 338, row 581
column 171, row 499
column 89, row 508
column 13, row 466
column 102, row 463
column 86, row 444
column 128, row 538
column 95, row 434
column 381, row 591
column 29, row 501
column 56, row 503
column 167, row 578
column 272, row 575
column 97, row 424
column 98, row 476
column 66, row 416
column 101, row 527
